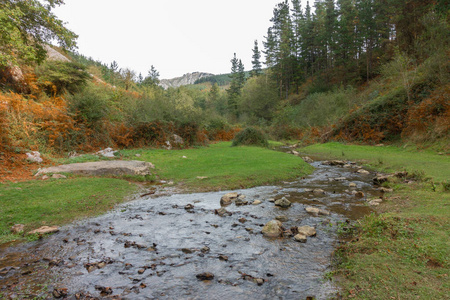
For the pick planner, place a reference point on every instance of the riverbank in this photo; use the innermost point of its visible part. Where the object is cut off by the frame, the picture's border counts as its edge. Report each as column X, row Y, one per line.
column 402, row 251
column 217, row 167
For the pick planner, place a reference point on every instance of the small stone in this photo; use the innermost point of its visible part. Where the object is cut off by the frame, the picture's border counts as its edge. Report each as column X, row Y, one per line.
column 307, row 230
column 187, row 250
column 240, row 202
column 359, row 194
column 205, row 249
column 307, row 159
column 45, row 177
column 271, row 200
column 222, row 212
column 223, row 257
column 141, row 271
column 300, row 238
column 318, row 192
column 257, row 202
column 242, row 220
column 352, row 185
column 59, row 176
column 18, row 228
column 259, row 281
column 281, row 218
column 189, row 206
column 138, row 155
column 312, row 210
column 228, row 198
column 386, row 190
column 283, row 202
column 362, row 171
column 205, row 276
column 60, row 293
column 340, row 179
column 375, row 202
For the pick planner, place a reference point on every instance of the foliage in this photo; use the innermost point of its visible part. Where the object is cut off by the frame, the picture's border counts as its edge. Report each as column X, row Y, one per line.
column 57, row 77
column 26, row 26
column 250, row 137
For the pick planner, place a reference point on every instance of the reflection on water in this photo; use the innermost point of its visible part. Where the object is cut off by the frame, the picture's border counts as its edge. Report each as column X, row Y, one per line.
column 153, row 248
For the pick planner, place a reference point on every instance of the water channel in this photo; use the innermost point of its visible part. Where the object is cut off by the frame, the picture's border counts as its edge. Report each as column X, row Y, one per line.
column 153, row 247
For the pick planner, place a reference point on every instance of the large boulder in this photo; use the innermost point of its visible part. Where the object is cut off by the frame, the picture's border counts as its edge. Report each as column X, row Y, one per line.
column 99, row 168
column 273, row 228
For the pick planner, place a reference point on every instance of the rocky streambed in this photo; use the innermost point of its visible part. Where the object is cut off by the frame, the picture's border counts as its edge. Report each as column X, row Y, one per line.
column 186, row 246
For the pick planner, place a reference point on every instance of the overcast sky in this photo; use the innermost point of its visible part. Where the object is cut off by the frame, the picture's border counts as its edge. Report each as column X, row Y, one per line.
column 176, row 36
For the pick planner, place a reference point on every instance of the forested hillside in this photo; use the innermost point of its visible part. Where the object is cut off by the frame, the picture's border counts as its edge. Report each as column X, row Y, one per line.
column 368, row 71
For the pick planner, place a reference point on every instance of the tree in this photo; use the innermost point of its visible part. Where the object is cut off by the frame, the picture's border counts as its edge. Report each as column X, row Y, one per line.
column 256, row 63
column 128, row 77
column 26, row 26
column 152, row 78
column 237, row 81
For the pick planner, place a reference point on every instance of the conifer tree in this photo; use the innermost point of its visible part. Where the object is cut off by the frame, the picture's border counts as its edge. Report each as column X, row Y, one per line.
column 256, row 63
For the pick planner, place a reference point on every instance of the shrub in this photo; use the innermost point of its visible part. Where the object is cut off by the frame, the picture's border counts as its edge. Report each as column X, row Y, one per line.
column 250, row 136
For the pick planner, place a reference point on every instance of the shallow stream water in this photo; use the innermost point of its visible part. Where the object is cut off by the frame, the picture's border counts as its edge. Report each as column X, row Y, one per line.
column 153, row 247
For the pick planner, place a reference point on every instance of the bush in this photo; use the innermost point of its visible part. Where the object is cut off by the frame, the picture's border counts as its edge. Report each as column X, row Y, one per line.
column 250, row 136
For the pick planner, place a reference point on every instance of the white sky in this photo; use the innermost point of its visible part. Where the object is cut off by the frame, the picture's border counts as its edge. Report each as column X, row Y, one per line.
column 176, row 36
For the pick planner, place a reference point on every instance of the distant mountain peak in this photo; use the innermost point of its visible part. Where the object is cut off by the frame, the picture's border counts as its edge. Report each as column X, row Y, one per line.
column 186, row 79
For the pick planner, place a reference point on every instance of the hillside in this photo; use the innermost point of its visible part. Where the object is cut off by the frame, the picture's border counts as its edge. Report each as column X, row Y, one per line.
column 186, row 79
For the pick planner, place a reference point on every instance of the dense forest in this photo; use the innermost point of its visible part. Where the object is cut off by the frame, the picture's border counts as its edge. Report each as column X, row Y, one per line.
column 366, row 71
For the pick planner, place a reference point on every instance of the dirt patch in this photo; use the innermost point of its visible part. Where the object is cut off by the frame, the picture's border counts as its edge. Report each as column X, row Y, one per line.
column 16, row 167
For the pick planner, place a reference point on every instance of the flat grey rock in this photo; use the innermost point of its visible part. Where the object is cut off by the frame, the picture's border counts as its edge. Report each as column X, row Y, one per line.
column 100, row 168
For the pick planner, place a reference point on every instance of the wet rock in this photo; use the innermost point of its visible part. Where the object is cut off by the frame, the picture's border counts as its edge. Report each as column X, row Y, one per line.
column 307, row 159
column 104, row 291
column 300, row 238
column 228, row 198
column 339, row 179
column 334, row 163
column 205, row 276
column 307, row 231
column 362, row 171
column 222, row 212
column 189, row 206
column 273, row 228
column 375, row 202
column 18, row 228
column 352, row 185
column 316, row 211
column 45, row 230
column 205, row 249
column 380, row 179
column 60, row 293
column 283, row 202
column 358, row 194
column 281, row 218
column 187, row 250
column 293, row 152
column 223, row 257
column 271, row 200
column 240, row 202
column 318, row 192
column 257, row 202
column 242, row 220
column 141, row 271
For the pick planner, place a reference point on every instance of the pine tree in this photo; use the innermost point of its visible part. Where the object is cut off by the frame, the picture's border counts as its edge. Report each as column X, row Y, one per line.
column 152, row 78
column 234, row 90
column 256, row 63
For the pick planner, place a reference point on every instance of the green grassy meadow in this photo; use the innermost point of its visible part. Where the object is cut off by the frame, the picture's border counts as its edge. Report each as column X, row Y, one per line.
column 219, row 166
column 402, row 251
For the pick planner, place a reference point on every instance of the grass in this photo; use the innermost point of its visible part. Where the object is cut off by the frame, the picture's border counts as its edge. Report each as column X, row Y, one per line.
column 57, row 202
column 388, row 158
column 403, row 251
column 221, row 166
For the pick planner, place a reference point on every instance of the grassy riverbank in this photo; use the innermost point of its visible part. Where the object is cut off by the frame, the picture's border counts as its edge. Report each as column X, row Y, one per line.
column 403, row 251
column 220, row 166
column 57, row 202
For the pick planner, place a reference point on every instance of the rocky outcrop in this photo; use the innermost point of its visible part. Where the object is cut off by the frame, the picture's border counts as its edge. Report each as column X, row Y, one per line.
column 186, row 79
column 54, row 55
column 100, row 168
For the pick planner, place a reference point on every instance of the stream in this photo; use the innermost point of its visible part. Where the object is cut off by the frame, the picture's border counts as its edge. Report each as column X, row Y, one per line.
column 154, row 247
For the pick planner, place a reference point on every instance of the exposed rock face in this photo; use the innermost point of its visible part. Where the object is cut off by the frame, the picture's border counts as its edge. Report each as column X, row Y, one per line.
column 186, row 79
column 54, row 55
column 99, row 168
